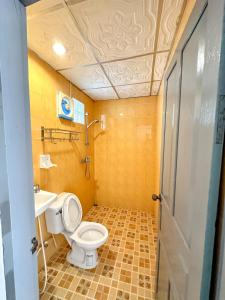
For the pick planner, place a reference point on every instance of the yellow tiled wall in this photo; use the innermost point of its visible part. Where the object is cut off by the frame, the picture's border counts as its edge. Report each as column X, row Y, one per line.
column 69, row 174
column 125, row 154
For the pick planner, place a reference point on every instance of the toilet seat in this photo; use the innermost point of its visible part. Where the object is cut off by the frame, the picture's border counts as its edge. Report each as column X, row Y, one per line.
column 64, row 216
column 90, row 235
column 71, row 212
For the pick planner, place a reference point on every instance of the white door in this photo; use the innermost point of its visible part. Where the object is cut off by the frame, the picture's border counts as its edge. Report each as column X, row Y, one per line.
column 16, row 180
column 191, row 159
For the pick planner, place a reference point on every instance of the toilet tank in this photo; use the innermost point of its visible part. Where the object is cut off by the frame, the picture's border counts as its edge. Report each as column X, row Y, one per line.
column 53, row 216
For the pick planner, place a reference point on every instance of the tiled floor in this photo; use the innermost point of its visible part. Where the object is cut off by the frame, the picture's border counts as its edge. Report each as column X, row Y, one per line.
column 127, row 266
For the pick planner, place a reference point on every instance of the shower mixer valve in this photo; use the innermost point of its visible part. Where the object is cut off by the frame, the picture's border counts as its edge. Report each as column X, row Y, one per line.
column 86, row 160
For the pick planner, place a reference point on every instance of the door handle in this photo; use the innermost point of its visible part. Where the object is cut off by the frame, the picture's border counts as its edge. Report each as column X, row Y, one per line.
column 34, row 243
column 156, row 197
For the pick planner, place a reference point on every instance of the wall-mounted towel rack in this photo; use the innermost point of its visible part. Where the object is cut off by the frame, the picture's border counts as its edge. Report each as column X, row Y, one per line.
column 58, row 135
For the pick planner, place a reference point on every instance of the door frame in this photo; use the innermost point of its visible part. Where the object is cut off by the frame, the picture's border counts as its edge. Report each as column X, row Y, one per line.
column 218, row 277
column 213, row 90
column 16, row 171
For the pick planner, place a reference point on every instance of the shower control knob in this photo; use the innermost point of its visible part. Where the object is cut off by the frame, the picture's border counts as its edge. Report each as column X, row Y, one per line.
column 156, row 197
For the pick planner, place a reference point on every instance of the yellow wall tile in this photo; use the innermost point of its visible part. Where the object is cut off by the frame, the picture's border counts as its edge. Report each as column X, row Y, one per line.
column 68, row 176
column 125, row 153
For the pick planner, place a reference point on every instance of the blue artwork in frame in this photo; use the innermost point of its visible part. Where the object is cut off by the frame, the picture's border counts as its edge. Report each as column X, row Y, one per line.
column 65, row 107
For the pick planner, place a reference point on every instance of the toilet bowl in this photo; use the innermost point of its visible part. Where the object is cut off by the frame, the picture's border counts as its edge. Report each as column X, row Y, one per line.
column 64, row 216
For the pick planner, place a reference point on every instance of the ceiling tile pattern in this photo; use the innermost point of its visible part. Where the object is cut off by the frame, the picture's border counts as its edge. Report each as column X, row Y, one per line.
column 129, row 71
column 43, row 7
column 93, row 75
column 46, row 29
column 160, row 64
column 169, row 18
column 114, row 48
column 133, row 90
column 116, row 27
column 101, row 94
column 155, row 87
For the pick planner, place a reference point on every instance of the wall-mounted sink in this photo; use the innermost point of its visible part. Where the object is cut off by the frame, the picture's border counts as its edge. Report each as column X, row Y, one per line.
column 42, row 200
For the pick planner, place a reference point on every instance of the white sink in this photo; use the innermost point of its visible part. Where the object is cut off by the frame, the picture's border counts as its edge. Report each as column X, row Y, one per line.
column 42, row 200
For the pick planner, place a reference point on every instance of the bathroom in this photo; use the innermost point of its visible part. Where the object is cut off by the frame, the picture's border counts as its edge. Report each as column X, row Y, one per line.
column 118, row 128
column 117, row 193
column 116, row 185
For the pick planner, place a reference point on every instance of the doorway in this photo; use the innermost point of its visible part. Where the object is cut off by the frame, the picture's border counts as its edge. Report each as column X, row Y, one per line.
column 16, row 138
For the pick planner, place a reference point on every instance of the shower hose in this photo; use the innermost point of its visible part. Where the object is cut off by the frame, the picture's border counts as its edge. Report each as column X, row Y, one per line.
column 44, row 257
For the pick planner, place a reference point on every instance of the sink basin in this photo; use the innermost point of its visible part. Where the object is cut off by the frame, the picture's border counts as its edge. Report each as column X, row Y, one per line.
column 42, row 200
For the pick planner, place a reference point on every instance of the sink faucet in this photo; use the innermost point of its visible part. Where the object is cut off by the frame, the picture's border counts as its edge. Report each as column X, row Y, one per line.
column 36, row 188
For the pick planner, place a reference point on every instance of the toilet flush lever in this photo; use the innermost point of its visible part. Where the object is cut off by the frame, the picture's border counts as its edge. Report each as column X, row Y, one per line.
column 34, row 243
column 156, row 197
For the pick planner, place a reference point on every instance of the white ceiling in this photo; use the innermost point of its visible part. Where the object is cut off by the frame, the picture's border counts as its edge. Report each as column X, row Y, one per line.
column 114, row 48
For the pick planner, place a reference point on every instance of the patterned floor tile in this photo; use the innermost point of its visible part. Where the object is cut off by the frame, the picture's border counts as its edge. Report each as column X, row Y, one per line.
column 127, row 261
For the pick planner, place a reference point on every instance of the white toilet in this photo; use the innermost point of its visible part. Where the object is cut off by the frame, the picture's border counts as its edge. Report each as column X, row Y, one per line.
column 64, row 216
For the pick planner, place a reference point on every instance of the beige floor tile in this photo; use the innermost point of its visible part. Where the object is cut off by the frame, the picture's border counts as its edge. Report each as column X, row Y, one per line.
column 127, row 261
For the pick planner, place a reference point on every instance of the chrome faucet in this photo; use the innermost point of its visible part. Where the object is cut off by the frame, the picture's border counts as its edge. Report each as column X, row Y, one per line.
column 36, row 188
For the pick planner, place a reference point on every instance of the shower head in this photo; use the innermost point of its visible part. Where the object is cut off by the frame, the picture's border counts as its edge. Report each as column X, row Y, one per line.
column 102, row 121
column 92, row 123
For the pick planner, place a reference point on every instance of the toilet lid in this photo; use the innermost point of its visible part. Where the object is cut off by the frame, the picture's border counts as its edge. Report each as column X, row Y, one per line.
column 71, row 212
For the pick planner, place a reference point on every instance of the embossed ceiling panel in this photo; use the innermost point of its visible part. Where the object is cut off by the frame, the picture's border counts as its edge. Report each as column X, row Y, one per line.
column 160, row 63
column 129, row 71
column 87, row 77
column 169, row 18
column 118, row 28
column 44, row 30
column 155, row 87
column 43, row 7
column 113, row 48
column 133, row 90
column 101, row 94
